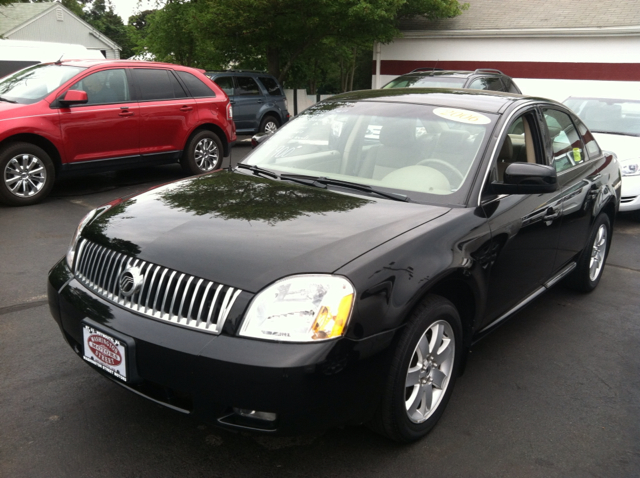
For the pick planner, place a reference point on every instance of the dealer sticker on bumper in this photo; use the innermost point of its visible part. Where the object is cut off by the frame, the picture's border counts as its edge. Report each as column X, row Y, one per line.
column 105, row 352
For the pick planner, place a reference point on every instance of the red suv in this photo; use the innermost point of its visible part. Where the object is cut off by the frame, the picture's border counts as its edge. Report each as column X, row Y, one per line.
column 98, row 115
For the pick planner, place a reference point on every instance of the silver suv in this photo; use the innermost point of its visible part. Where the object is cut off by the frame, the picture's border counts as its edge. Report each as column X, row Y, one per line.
column 481, row 79
column 259, row 103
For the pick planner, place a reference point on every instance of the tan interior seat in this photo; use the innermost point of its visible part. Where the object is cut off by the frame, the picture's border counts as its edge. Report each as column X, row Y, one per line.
column 398, row 148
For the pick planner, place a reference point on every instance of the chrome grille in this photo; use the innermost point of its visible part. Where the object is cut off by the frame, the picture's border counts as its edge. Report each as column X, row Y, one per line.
column 165, row 294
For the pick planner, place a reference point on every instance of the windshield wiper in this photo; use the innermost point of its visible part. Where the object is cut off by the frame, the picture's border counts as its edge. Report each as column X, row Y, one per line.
column 7, row 100
column 322, row 182
column 258, row 171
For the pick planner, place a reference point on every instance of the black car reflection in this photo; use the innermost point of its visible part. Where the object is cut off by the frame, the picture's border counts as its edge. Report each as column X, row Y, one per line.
column 343, row 271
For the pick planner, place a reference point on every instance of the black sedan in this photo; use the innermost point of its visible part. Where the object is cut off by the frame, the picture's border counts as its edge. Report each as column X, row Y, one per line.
column 341, row 273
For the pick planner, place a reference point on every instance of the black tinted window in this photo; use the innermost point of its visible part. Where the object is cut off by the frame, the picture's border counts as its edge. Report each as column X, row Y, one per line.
column 157, row 85
column 226, row 83
column 247, row 86
column 271, row 85
column 195, row 85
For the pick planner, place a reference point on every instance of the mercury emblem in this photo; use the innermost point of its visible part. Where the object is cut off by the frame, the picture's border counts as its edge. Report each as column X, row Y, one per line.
column 130, row 281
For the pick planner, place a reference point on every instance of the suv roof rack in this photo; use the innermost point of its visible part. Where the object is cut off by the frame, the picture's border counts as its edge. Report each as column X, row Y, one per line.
column 237, row 71
column 488, row 70
column 427, row 69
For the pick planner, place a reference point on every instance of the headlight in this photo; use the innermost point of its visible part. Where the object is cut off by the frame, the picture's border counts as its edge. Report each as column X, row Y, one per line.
column 304, row 308
column 71, row 253
column 631, row 167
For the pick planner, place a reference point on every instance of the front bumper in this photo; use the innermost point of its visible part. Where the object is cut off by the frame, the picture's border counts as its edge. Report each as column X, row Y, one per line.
column 630, row 195
column 308, row 386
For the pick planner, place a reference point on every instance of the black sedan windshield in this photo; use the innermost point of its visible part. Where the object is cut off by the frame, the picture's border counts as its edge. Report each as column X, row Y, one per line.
column 35, row 82
column 427, row 152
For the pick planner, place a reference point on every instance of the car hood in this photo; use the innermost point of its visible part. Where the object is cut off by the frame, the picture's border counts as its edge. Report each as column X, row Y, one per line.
column 624, row 146
column 9, row 111
column 246, row 231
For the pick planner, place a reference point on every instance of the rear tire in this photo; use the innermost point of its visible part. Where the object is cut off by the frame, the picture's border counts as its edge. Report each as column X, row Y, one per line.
column 588, row 272
column 269, row 125
column 423, row 372
column 203, row 154
column 27, row 174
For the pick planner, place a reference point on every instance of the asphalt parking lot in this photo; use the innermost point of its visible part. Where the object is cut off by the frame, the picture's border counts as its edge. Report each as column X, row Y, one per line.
column 555, row 392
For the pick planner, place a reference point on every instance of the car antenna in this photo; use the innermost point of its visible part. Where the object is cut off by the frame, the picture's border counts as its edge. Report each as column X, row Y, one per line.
column 59, row 62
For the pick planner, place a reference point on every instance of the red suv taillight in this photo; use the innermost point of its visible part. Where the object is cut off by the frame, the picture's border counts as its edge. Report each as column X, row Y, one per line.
column 229, row 112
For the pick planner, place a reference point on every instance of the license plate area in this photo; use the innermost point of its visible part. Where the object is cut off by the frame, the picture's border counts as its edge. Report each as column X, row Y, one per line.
column 107, row 350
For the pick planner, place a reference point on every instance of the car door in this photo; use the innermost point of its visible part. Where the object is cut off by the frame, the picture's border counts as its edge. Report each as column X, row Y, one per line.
column 578, row 161
column 247, row 101
column 168, row 114
column 525, row 228
column 107, row 126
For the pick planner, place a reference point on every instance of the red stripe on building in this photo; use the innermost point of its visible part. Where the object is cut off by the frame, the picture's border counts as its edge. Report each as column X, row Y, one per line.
column 525, row 69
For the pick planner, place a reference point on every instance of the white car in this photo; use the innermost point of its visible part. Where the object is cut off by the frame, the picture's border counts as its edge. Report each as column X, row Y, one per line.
column 615, row 123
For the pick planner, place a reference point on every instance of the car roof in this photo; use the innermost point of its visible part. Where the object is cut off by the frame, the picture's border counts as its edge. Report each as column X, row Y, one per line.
column 129, row 63
column 454, row 73
column 479, row 100
column 608, row 97
column 231, row 72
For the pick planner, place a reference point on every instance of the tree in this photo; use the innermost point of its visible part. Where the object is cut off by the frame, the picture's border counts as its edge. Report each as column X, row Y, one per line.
column 177, row 34
column 283, row 30
column 299, row 41
column 101, row 16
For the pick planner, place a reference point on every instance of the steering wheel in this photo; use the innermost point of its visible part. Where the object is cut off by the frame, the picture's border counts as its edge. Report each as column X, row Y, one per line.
column 447, row 168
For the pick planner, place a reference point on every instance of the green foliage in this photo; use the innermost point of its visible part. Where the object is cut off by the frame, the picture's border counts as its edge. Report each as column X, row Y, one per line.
column 312, row 43
column 175, row 34
column 101, row 16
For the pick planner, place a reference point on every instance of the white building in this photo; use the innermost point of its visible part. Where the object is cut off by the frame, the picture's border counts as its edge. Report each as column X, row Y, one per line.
column 552, row 48
column 52, row 22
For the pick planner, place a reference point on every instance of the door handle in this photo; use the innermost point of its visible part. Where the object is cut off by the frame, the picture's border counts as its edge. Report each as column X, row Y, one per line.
column 186, row 108
column 125, row 112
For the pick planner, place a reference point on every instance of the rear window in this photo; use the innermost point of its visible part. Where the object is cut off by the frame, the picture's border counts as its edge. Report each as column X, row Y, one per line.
column 226, row 83
column 426, row 82
column 157, row 85
column 195, row 85
column 247, row 86
column 271, row 85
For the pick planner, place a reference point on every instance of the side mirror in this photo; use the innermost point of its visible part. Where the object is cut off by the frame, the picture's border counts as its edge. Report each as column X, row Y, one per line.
column 74, row 97
column 259, row 138
column 527, row 178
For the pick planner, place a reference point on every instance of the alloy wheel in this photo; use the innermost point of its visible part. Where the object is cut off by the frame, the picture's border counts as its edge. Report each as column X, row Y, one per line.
column 25, row 175
column 270, row 127
column 429, row 371
column 598, row 253
column 206, row 154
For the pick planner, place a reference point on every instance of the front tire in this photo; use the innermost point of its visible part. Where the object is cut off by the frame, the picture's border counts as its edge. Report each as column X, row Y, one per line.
column 588, row 272
column 423, row 372
column 27, row 174
column 204, row 153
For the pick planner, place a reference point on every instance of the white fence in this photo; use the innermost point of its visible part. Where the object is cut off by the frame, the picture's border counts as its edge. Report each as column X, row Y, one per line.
column 300, row 100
